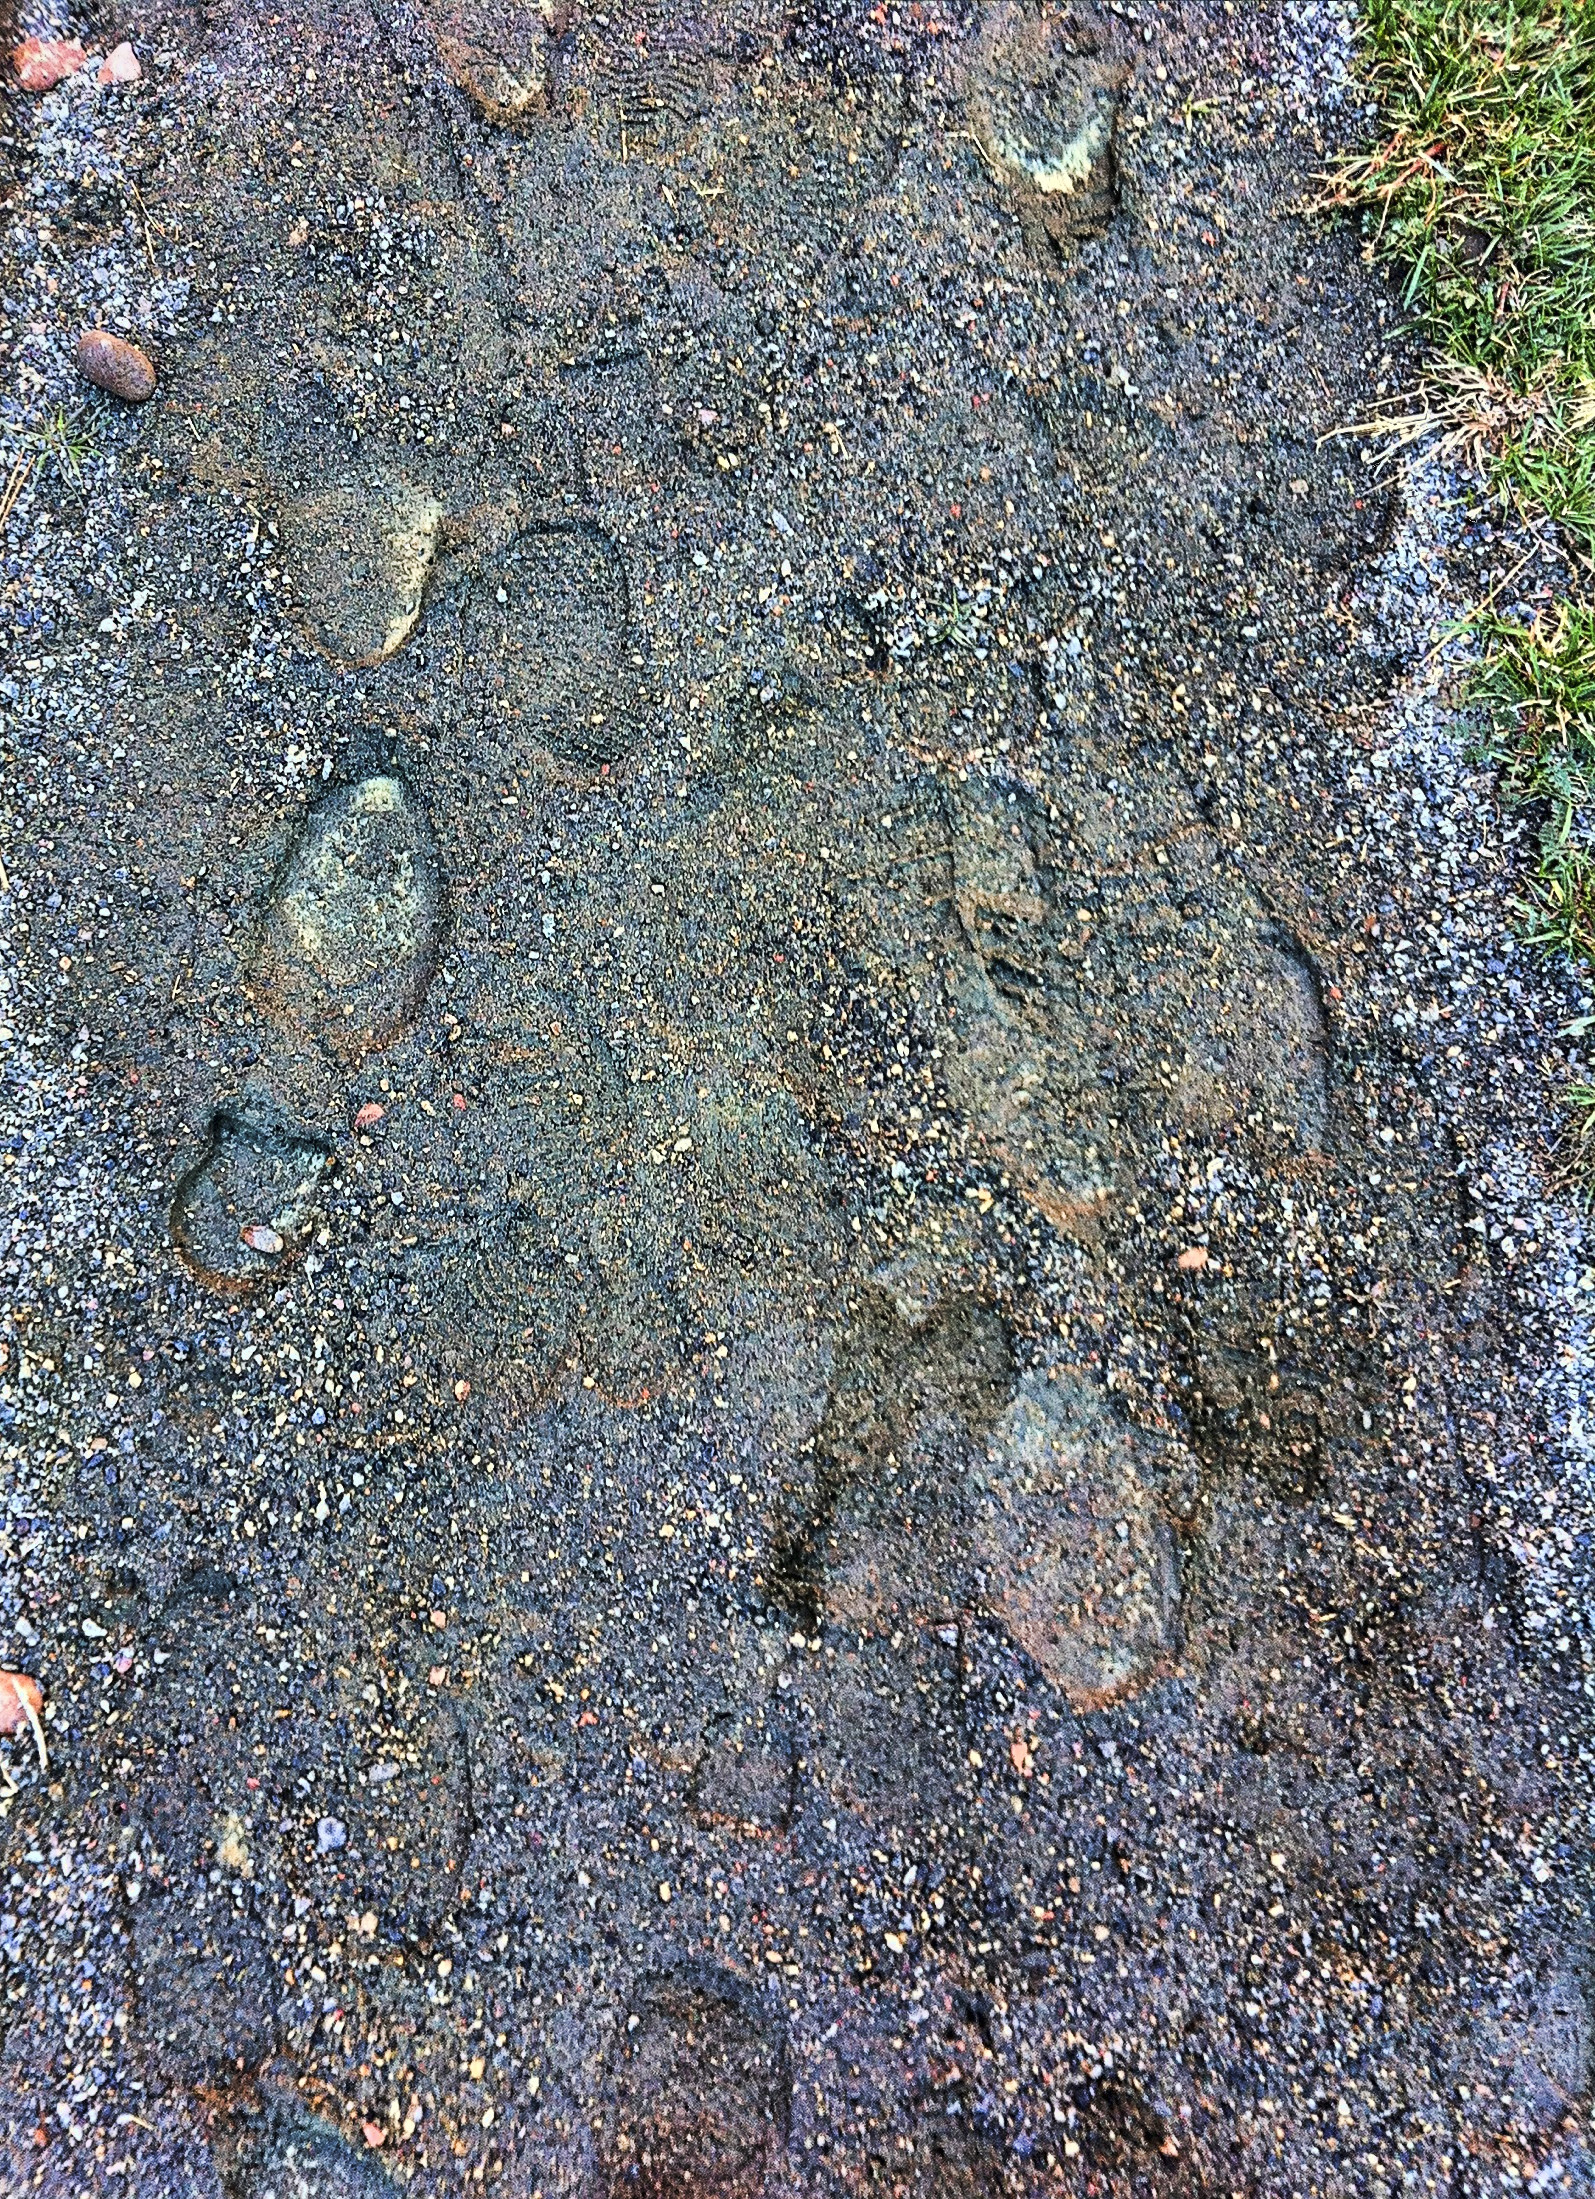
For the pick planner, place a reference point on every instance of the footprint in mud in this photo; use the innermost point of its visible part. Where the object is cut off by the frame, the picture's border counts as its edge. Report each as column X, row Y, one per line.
column 413, row 1822
column 348, row 950
column 1044, row 97
column 700, row 2092
column 919, row 1378
column 248, row 1208
column 206, row 1990
column 544, row 630
column 950, row 2161
column 351, row 936
column 498, row 52
column 1300, row 1048
column 206, row 1985
column 360, row 556
column 1071, row 1536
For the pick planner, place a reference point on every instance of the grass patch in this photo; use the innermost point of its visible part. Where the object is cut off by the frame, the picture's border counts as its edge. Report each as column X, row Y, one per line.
column 1538, row 683
column 67, row 443
column 1482, row 195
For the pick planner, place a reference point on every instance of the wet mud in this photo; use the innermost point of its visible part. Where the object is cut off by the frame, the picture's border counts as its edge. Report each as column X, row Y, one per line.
column 772, row 1534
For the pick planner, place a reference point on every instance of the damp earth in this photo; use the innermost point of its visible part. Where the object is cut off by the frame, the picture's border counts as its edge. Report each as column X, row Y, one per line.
column 756, row 1469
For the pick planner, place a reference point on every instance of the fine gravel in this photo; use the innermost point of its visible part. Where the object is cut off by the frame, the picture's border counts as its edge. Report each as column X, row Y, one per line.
column 796, row 1344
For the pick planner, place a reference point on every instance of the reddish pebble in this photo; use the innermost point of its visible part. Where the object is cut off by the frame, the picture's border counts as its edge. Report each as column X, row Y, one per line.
column 41, row 62
column 113, row 364
column 260, row 1237
column 1195, row 1256
column 19, row 1694
column 120, row 66
column 373, row 1111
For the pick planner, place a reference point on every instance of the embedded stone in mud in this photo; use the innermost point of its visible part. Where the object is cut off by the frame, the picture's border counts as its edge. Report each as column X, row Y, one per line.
column 245, row 1212
column 351, row 938
column 701, row 2093
column 1044, row 98
column 360, row 557
column 498, row 52
column 1077, row 1556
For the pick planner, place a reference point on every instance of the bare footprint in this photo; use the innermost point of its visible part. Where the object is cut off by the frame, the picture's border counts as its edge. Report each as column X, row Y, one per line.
column 309, row 2160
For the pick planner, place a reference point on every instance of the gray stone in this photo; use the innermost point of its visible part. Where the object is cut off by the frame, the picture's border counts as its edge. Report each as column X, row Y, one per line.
column 1072, row 1541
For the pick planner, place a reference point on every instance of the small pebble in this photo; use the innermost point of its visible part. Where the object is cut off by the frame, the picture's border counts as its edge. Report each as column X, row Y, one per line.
column 120, row 66
column 113, row 364
column 19, row 1694
column 43, row 62
column 21, row 1700
column 331, row 1833
column 260, row 1237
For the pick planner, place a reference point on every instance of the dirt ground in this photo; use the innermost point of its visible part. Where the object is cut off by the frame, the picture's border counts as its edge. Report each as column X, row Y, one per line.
column 761, row 1427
